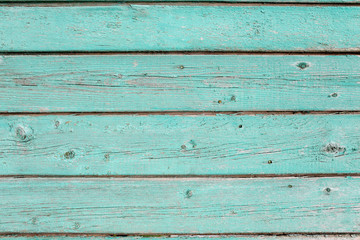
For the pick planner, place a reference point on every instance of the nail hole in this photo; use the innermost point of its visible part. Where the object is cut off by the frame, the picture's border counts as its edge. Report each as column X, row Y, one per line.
column 333, row 95
column 290, row 186
column 327, row 189
column 70, row 154
column 303, row 65
column 193, row 143
column 76, row 225
column 240, row 126
column 219, row 101
column 189, row 194
column 183, row 147
column 181, row 67
column 269, row 162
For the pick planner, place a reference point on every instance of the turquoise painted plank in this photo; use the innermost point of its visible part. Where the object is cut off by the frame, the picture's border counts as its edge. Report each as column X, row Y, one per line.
column 196, row 1
column 194, row 237
column 182, row 1
column 179, row 145
column 178, row 28
column 179, row 205
column 108, row 83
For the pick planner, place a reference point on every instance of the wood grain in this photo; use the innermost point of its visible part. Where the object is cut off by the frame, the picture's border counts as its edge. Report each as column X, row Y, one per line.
column 188, row 237
column 179, row 28
column 191, row 1
column 175, row 205
column 111, row 83
column 179, row 145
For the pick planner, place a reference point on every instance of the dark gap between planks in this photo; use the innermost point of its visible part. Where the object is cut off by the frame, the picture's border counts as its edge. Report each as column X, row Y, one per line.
column 289, row 175
column 187, row 113
column 180, row 53
column 170, row 235
column 62, row 3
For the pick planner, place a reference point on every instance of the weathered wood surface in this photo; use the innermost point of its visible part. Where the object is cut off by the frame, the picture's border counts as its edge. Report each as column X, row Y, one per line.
column 179, row 145
column 179, row 205
column 109, row 83
column 178, row 28
column 194, row 237
column 190, row 1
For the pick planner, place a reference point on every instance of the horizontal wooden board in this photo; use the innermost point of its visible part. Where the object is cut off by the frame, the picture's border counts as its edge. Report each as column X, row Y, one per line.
column 108, row 83
column 177, row 145
column 193, row 237
column 189, row 1
column 179, row 205
column 179, row 28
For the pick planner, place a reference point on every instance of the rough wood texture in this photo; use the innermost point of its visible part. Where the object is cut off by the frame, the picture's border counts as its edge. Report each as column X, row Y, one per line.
column 163, row 144
column 193, row 237
column 163, row 28
column 198, row 205
column 178, row 83
column 191, row 1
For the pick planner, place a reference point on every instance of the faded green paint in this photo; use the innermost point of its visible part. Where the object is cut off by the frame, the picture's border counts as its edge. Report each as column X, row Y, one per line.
column 119, row 146
column 193, row 237
column 153, row 205
column 178, row 28
column 190, row 1
column 180, row 145
column 111, row 83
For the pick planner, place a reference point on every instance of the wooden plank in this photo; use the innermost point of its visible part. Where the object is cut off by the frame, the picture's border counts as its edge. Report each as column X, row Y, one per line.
column 109, row 83
column 192, row 237
column 177, row 145
column 179, row 205
column 179, row 28
column 189, row 1
column 196, row 1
